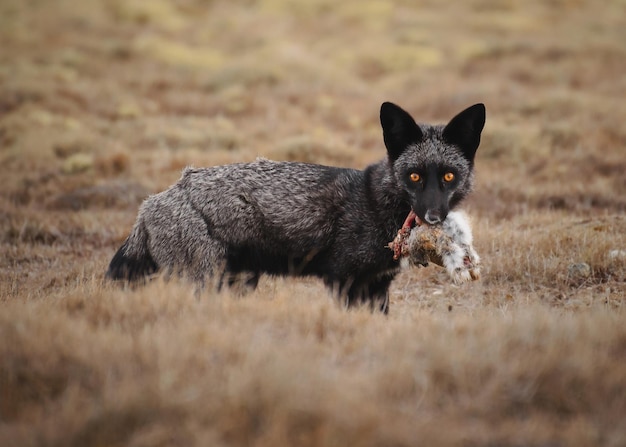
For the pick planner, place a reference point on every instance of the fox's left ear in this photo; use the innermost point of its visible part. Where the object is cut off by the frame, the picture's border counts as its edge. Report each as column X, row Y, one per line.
column 464, row 130
column 399, row 129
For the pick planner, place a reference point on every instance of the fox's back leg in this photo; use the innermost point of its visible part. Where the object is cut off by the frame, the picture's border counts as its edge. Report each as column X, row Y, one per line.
column 179, row 238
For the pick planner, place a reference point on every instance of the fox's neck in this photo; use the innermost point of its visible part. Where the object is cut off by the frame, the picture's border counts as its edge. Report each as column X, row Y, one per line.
column 389, row 198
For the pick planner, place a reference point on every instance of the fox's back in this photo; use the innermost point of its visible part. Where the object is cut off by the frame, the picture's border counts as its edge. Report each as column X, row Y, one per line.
column 289, row 203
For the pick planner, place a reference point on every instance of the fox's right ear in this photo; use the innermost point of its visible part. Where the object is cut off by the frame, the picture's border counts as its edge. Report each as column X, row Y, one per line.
column 399, row 129
column 464, row 130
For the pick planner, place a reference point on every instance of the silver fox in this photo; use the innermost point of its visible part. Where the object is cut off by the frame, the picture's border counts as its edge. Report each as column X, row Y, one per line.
column 234, row 222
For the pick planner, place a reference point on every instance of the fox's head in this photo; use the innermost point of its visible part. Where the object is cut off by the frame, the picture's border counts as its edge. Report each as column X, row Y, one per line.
column 433, row 164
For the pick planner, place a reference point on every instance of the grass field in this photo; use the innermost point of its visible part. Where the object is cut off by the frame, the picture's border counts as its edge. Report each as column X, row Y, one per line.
column 104, row 102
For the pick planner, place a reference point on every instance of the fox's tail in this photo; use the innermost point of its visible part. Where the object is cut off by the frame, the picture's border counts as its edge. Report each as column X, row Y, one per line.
column 133, row 260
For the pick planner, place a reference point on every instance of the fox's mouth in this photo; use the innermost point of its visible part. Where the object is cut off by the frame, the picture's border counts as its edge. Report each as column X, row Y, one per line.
column 412, row 220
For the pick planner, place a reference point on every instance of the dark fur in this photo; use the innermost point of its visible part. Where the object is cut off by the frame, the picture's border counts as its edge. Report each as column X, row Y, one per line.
column 237, row 221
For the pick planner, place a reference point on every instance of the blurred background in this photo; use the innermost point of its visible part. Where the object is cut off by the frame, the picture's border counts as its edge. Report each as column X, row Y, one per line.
column 149, row 86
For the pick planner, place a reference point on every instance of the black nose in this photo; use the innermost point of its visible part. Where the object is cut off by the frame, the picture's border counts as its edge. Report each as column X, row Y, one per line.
column 432, row 217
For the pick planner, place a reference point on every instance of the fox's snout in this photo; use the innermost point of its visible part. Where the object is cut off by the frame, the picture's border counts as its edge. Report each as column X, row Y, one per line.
column 432, row 207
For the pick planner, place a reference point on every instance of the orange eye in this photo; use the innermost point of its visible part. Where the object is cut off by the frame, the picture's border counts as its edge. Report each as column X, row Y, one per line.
column 448, row 177
column 415, row 177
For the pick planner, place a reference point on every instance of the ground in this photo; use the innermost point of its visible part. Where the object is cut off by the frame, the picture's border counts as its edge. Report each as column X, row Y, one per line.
column 104, row 102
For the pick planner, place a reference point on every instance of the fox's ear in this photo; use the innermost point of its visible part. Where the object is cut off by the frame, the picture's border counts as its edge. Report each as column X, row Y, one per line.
column 399, row 129
column 464, row 130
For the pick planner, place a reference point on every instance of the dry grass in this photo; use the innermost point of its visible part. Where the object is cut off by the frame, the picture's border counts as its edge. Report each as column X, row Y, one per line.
column 103, row 102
